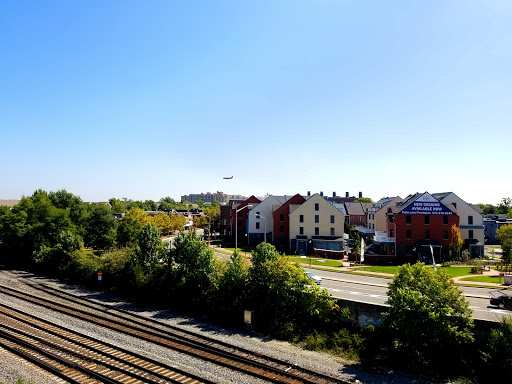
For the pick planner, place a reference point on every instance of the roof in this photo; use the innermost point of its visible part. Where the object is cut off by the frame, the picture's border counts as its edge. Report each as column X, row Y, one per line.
column 341, row 208
column 354, row 208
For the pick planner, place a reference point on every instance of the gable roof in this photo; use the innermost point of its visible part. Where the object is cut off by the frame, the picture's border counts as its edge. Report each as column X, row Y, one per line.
column 423, row 204
column 443, row 195
column 354, row 209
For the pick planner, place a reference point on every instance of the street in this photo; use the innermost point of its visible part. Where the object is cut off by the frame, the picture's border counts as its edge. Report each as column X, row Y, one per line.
column 373, row 290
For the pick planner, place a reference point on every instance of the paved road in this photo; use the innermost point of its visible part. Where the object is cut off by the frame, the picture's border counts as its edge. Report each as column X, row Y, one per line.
column 373, row 290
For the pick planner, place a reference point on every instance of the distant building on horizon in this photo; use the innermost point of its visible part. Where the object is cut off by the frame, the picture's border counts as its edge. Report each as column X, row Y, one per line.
column 207, row 197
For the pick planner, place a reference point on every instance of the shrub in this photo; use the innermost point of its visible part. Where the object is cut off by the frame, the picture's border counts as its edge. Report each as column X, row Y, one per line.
column 429, row 320
column 498, row 355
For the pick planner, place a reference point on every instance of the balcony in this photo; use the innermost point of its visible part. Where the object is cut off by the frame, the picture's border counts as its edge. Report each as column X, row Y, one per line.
column 382, row 237
column 364, row 230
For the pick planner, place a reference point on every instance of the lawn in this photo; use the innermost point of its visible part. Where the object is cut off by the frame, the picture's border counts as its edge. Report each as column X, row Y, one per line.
column 452, row 271
column 485, row 279
column 319, row 262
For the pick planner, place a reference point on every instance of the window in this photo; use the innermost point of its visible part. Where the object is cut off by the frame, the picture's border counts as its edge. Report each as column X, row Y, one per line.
column 332, row 219
column 301, row 218
column 427, row 219
column 445, row 235
column 317, row 231
column 408, row 234
column 391, row 219
column 470, row 220
column 445, row 219
column 257, row 215
column 240, row 214
column 239, row 224
column 407, row 219
column 257, row 225
column 391, row 233
column 281, row 217
column 317, row 218
column 332, row 231
column 301, row 230
column 281, row 229
column 470, row 233
column 317, row 207
column 427, row 235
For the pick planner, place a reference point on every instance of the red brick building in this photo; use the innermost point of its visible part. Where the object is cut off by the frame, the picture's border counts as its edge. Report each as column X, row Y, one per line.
column 232, row 221
column 281, row 235
column 416, row 224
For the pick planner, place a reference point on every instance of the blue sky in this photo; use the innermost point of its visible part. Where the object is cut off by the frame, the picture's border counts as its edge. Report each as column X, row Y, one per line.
column 146, row 99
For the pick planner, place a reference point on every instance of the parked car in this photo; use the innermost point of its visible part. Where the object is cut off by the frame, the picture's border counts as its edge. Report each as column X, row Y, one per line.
column 501, row 299
column 316, row 279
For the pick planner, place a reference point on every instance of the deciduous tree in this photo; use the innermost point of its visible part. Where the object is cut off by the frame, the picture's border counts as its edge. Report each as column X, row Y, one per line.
column 504, row 233
column 100, row 228
column 429, row 318
column 150, row 247
column 455, row 240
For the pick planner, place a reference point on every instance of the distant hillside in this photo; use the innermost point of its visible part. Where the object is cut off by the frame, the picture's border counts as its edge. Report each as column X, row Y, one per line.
column 9, row 203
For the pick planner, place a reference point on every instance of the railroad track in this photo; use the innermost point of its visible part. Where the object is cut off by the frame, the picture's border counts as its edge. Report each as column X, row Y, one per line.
column 78, row 358
column 208, row 349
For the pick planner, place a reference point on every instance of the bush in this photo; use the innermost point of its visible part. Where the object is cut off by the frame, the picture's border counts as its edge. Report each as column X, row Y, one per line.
column 498, row 356
column 83, row 267
column 429, row 320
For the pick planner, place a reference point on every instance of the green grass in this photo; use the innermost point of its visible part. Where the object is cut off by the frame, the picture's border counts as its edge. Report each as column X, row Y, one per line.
column 485, row 279
column 378, row 269
column 392, row 269
column 320, row 262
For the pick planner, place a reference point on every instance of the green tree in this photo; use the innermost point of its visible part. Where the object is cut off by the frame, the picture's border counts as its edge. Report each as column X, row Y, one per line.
column 100, row 228
column 150, row 205
column 150, row 248
column 498, row 356
column 233, row 284
column 363, row 200
column 487, row 209
column 356, row 241
column 128, row 232
column 116, row 205
column 504, row 233
column 504, row 206
column 192, row 269
column 429, row 319
column 63, row 199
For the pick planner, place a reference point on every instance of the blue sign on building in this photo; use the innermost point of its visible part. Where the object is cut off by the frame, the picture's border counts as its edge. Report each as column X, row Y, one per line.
column 426, row 208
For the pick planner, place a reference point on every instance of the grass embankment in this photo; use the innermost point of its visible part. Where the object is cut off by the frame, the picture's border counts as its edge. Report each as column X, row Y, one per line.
column 319, row 262
column 452, row 271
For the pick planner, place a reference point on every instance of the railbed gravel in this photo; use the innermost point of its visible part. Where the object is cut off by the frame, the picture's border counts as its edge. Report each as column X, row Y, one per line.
column 13, row 368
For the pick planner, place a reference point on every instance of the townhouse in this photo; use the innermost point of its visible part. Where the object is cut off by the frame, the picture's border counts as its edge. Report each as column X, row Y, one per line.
column 261, row 219
column 281, row 219
column 471, row 222
column 316, row 225
column 418, row 224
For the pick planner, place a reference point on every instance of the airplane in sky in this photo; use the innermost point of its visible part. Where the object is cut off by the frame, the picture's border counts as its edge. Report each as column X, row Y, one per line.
column 227, row 178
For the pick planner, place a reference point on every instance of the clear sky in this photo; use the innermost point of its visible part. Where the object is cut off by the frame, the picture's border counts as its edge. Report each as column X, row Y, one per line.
column 147, row 99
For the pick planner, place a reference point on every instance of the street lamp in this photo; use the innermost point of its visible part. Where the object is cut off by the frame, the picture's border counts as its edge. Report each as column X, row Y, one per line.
column 236, row 223
column 265, row 234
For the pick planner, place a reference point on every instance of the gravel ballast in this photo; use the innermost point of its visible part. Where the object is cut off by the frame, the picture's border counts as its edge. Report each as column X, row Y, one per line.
column 13, row 368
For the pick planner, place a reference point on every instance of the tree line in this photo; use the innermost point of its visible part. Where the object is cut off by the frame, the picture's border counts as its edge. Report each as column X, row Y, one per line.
column 427, row 328
column 504, row 207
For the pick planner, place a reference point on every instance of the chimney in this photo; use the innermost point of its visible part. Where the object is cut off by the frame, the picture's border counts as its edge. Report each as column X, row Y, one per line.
column 360, row 194
column 309, row 193
column 321, row 194
column 334, row 194
column 346, row 194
